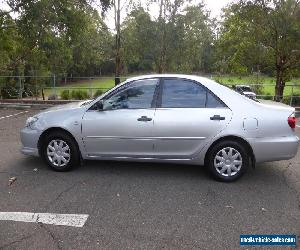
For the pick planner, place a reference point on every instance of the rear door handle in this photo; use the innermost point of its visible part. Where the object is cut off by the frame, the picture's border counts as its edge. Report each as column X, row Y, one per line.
column 217, row 118
column 144, row 119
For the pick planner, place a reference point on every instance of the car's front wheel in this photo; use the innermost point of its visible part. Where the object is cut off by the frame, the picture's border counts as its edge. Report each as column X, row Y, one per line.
column 228, row 160
column 60, row 151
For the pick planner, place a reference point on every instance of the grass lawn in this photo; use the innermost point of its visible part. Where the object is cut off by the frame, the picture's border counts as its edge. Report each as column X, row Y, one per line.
column 267, row 82
column 90, row 86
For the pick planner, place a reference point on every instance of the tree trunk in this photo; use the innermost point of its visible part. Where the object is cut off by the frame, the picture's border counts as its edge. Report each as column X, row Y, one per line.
column 162, row 42
column 280, row 83
column 118, row 45
column 118, row 60
column 162, row 59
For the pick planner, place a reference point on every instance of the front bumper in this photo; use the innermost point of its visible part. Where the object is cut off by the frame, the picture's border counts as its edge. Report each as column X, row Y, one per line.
column 274, row 148
column 30, row 151
column 29, row 139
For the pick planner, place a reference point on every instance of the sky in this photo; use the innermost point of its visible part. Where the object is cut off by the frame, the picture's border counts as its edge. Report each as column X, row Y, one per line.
column 216, row 6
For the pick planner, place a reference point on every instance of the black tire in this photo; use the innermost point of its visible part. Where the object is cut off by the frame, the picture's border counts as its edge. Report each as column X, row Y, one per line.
column 232, row 175
column 74, row 155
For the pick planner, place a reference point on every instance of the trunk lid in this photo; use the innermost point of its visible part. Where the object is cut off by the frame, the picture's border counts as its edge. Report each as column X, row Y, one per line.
column 276, row 105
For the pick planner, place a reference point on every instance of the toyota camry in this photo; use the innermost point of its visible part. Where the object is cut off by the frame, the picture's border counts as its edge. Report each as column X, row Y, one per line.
column 165, row 118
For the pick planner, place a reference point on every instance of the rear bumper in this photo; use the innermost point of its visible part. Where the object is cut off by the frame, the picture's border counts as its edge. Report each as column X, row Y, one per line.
column 29, row 139
column 274, row 148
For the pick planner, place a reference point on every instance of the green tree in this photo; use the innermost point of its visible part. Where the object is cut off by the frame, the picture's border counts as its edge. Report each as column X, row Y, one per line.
column 264, row 33
column 10, row 44
column 139, row 39
column 196, row 49
column 60, row 37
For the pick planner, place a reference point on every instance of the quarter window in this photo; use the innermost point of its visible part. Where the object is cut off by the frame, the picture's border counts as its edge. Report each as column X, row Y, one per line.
column 178, row 93
column 213, row 102
column 138, row 95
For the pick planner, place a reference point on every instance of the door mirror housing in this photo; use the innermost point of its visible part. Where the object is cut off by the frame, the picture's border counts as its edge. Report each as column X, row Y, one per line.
column 99, row 105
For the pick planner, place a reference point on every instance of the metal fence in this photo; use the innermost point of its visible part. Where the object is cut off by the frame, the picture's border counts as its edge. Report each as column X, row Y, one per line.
column 76, row 88
column 54, row 87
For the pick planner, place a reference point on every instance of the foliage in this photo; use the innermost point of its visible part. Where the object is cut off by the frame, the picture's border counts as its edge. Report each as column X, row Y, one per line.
column 175, row 42
column 69, row 38
column 52, row 97
column 65, row 94
column 262, row 36
column 266, row 96
column 53, row 37
column 79, row 95
column 295, row 100
column 98, row 93
column 10, row 45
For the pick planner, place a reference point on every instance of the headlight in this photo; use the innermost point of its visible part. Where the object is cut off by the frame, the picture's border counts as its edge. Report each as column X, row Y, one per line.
column 31, row 121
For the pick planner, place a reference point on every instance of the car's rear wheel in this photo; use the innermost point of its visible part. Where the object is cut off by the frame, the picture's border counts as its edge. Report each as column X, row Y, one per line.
column 60, row 151
column 228, row 160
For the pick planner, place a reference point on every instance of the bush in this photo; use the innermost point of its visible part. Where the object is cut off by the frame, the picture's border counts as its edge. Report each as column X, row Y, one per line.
column 52, row 97
column 258, row 88
column 9, row 93
column 65, row 94
column 79, row 95
column 98, row 93
column 267, row 97
column 286, row 100
column 218, row 80
column 296, row 100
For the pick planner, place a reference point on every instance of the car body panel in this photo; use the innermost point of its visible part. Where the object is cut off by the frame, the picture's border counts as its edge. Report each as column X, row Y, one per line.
column 174, row 135
column 66, row 117
column 118, row 132
column 185, row 137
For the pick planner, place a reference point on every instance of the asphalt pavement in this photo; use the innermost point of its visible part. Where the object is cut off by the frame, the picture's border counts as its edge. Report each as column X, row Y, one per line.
column 138, row 205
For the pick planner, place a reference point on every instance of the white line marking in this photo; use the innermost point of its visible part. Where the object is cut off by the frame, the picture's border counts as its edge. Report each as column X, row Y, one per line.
column 71, row 220
column 23, row 112
column 298, row 126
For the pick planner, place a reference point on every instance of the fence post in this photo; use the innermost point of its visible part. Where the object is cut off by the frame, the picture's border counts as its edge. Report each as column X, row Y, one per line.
column 20, row 87
column 292, row 94
column 36, row 90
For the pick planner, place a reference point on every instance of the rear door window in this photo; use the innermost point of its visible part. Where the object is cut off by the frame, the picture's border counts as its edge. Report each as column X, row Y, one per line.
column 181, row 93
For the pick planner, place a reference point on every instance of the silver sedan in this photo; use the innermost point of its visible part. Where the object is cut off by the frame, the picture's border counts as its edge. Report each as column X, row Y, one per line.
column 165, row 118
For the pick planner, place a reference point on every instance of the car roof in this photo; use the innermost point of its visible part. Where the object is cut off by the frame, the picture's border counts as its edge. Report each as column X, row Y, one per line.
column 200, row 79
column 165, row 76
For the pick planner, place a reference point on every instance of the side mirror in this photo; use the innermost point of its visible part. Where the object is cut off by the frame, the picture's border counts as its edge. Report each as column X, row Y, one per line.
column 99, row 105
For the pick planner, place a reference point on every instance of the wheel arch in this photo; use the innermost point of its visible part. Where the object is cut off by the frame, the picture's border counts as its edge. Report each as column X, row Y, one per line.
column 232, row 138
column 51, row 130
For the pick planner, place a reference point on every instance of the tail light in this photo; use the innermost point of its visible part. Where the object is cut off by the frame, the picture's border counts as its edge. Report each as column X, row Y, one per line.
column 292, row 121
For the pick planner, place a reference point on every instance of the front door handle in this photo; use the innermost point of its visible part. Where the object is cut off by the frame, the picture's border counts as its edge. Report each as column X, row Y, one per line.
column 144, row 119
column 217, row 118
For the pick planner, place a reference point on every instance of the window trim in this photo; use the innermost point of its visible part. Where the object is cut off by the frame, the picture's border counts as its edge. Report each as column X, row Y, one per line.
column 159, row 100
